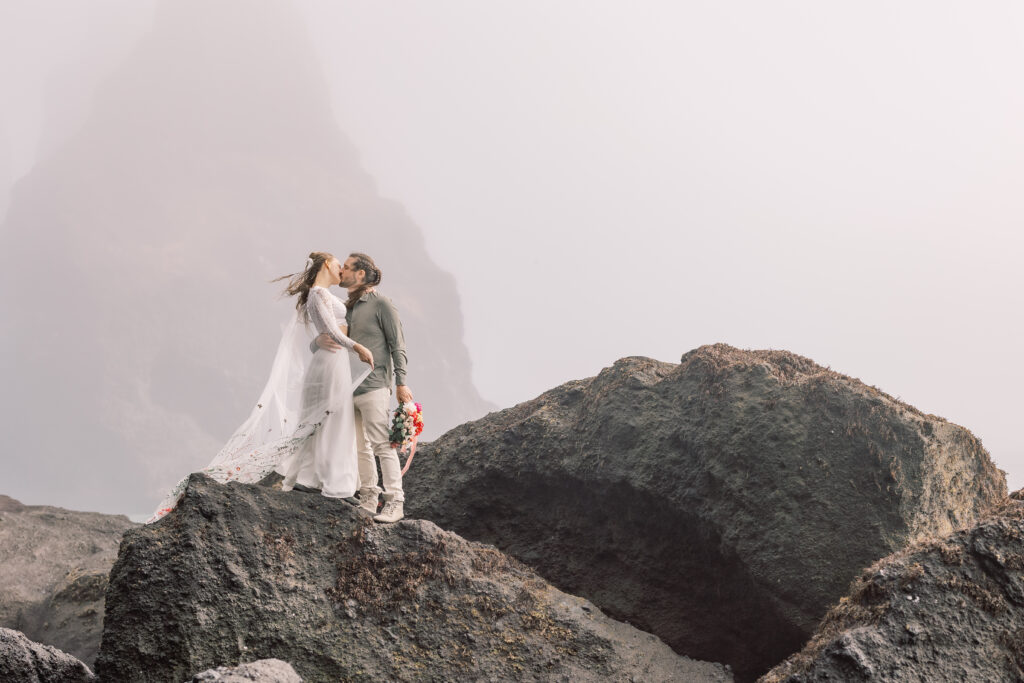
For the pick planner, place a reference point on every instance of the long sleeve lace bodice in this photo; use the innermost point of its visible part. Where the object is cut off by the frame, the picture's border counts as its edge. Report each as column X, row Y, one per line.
column 327, row 313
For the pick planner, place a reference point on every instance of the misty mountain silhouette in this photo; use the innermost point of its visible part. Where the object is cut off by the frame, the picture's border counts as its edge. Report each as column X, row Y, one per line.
column 140, row 324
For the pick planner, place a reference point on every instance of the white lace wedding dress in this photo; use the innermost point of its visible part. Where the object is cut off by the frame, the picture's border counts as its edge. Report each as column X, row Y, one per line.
column 303, row 425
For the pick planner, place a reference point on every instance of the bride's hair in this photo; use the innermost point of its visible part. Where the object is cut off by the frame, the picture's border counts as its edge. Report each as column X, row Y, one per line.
column 373, row 276
column 299, row 283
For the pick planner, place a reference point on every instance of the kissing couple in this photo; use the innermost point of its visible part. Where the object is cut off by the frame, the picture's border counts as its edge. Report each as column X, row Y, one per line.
column 322, row 421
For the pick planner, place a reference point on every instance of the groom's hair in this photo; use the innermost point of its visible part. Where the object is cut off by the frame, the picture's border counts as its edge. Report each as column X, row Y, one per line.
column 373, row 276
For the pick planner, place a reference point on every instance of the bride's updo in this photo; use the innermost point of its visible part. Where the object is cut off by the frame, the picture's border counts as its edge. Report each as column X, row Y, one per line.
column 299, row 283
column 373, row 277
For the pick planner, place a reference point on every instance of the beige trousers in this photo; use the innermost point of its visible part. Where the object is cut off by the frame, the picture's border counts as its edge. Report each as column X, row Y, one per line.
column 372, row 425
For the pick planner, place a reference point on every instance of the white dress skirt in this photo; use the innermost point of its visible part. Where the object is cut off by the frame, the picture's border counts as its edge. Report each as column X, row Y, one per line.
column 303, row 425
column 327, row 459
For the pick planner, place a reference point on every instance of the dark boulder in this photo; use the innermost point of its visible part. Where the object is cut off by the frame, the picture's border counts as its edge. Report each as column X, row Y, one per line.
column 53, row 569
column 949, row 608
column 243, row 572
column 702, row 501
column 25, row 661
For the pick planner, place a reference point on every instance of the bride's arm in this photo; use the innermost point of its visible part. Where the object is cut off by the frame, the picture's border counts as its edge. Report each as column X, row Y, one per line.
column 321, row 313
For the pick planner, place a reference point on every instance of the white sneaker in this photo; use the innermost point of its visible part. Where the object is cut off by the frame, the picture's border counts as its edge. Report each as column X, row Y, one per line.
column 392, row 512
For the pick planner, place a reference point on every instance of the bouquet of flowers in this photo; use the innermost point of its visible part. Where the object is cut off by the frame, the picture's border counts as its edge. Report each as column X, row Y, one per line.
column 405, row 427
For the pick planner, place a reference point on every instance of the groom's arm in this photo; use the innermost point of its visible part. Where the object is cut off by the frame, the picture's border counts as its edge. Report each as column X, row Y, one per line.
column 391, row 325
column 324, row 341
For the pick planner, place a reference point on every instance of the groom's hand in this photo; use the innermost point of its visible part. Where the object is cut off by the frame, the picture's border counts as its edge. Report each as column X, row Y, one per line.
column 403, row 394
column 325, row 342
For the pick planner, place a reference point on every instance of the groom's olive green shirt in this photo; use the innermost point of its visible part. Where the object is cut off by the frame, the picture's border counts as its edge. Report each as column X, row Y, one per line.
column 373, row 322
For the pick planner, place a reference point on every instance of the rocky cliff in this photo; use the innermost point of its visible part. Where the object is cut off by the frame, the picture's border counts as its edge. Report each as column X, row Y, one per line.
column 53, row 569
column 243, row 572
column 211, row 163
column 24, row 661
column 947, row 608
column 703, row 501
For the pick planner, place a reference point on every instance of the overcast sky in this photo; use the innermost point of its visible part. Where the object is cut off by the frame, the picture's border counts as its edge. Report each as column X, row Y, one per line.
column 842, row 180
column 603, row 179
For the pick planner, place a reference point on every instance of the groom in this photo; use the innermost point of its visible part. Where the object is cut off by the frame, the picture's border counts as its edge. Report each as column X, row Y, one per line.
column 373, row 322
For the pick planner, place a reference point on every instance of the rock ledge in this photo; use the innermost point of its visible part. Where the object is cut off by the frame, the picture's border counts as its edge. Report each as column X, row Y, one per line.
column 242, row 572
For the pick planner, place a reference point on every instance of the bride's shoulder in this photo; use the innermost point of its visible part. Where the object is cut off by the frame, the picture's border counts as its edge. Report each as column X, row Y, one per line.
column 318, row 293
column 326, row 294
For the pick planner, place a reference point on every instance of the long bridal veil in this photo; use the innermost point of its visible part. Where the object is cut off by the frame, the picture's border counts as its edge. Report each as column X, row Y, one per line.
column 280, row 422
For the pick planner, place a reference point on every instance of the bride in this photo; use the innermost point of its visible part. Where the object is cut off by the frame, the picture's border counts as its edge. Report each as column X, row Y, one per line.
column 303, row 425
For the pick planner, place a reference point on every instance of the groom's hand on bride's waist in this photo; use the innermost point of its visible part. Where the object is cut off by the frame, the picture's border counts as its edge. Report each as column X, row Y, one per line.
column 325, row 342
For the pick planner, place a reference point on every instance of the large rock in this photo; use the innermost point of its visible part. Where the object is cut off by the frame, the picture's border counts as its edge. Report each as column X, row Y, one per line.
column 703, row 501
column 53, row 569
column 947, row 608
column 242, row 572
column 25, row 661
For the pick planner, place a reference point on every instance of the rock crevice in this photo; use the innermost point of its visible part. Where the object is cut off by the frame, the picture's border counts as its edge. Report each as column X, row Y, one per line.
column 944, row 608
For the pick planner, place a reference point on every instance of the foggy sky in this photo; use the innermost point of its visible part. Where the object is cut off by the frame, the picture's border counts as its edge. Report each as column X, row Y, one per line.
column 611, row 179
column 53, row 55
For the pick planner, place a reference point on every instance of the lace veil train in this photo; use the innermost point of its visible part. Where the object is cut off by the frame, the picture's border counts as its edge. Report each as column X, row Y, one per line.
column 273, row 429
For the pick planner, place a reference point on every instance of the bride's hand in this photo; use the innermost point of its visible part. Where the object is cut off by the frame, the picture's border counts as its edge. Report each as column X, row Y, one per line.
column 364, row 354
